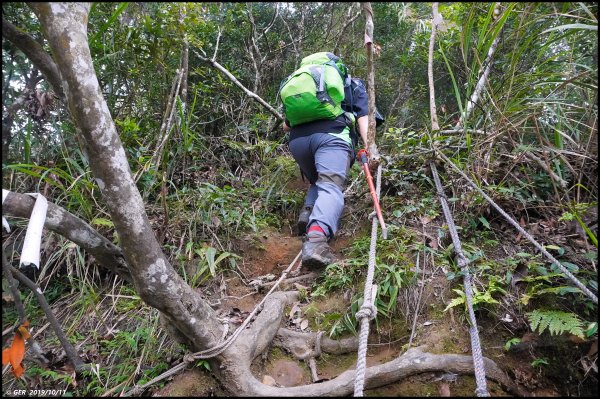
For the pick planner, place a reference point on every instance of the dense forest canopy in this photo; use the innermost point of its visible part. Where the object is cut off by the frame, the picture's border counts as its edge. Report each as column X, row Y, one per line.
column 154, row 131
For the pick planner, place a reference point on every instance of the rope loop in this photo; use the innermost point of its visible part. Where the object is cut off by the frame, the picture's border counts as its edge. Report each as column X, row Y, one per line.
column 189, row 358
column 367, row 310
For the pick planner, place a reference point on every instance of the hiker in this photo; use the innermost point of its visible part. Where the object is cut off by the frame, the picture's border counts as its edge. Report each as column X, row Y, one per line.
column 323, row 148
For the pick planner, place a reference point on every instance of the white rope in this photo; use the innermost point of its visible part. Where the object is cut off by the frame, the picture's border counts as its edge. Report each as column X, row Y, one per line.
column 367, row 311
column 463, row 262
column 522, row 231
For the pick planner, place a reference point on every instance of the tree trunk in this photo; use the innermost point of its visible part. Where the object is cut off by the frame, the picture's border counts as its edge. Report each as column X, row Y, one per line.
column 370, row 144
column 65, row 27
column 432, row 109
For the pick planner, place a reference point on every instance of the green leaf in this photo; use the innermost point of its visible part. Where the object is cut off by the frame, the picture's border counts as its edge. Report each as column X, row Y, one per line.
column 572, row 26
column 484, row 222
column 103, row 222
column 556, row 322
column 591, row 329
column 210, row 253
column 560, row 250
column 120, row 8
column 511, row 342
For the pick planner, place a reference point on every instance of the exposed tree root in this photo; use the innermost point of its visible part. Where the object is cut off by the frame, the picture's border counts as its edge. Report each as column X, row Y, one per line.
column 233, row 366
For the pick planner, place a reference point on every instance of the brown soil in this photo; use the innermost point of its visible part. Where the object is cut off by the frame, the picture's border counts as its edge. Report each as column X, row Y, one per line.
column 271, row 252
column 191, row 383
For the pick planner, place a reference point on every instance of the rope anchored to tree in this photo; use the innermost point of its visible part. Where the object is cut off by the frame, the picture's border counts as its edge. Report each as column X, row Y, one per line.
column 368, row 310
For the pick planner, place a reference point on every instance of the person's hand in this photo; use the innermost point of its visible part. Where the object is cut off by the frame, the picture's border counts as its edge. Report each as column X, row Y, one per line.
column 360, row 154
column 286, row 128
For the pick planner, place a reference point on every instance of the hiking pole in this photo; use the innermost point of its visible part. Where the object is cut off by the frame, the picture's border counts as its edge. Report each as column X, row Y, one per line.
column 362, row 154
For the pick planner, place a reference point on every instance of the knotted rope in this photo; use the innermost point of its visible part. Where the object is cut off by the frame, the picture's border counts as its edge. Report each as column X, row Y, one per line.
column 367, row 311
column 463, row 262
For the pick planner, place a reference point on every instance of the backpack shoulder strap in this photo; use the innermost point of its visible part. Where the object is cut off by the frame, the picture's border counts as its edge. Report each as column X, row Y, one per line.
column 333, row 64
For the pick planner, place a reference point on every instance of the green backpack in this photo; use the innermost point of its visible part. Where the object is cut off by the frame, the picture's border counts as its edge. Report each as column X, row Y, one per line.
column 315, row 90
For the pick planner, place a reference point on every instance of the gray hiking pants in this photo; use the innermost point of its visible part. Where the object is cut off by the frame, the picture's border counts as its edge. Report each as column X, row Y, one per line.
column 325, row 160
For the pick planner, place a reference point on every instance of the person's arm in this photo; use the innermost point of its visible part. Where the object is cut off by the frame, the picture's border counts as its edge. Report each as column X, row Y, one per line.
column 363, row 128
column 361, row 109
column 286, row 128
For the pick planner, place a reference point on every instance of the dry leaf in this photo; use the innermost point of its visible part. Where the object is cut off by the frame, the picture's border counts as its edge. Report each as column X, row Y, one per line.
column 299, row 287
column 295, row 308
column 304, row 324
column 575, row 339
column 519, row 274
column 14, row 353
column 433, row 244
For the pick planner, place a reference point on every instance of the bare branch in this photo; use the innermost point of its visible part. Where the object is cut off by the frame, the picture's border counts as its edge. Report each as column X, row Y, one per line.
column 13, row 289
column 67, row 346
column 214, row 58
column 369, row 27
column 547, row 169
column 483, row 77
column 36, row 54
column 341, row 35
column 241, row 86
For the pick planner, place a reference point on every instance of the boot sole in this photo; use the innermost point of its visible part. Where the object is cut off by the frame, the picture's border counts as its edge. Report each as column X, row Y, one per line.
column 302, row 228
column 317, row 264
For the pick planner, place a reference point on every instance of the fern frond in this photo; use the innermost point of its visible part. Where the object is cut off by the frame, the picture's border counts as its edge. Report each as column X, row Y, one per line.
column 556, row 322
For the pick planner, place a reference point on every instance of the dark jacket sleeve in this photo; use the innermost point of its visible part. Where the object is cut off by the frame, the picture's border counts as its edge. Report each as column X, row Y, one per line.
column 359, row 97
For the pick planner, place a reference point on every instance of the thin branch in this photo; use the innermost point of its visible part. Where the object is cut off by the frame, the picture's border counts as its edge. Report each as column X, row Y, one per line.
column 241, row 86
column 69, row 349
column 270, row 23
column 73, row 228
column 483, row 77
column 459, row 130
column 339, row 39
column 13, row 289
column 547, row 169
column 36, row 54
column 214, row 58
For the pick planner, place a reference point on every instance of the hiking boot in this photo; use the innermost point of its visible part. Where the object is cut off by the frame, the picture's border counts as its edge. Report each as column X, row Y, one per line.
column 303, row 219
column 316, row 254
